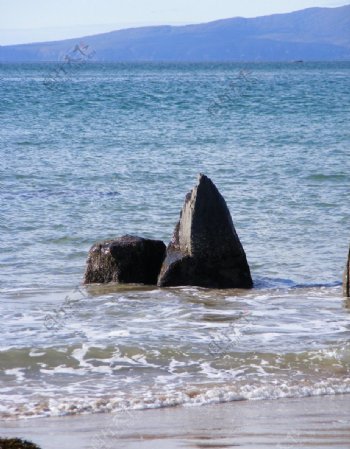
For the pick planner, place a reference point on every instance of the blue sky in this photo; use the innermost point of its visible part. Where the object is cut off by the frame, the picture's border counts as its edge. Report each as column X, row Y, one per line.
column 38, row 20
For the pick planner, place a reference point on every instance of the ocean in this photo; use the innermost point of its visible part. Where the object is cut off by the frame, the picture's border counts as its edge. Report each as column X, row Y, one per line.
column 94, row 151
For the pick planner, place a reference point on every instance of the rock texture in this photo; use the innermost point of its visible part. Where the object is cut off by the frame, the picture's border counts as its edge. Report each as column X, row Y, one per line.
column 16, row 443
column 346, row 278
column 126, row 259
column 205, row 250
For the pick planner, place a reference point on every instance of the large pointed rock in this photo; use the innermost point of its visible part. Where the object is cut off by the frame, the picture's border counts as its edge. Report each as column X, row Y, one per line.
column 205, row 250
column 127, row 259
column 346, row 278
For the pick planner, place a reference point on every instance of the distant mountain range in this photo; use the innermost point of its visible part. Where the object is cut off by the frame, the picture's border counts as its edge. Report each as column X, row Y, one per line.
column 310, row 34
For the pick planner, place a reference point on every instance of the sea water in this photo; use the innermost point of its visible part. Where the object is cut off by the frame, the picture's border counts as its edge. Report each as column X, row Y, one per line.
column 95, row 151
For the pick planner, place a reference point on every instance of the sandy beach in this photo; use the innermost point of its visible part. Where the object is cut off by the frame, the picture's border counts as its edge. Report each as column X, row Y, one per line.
column 317, row 422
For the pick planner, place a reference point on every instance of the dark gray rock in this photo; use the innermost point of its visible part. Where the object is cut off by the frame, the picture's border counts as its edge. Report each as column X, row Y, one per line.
column 205, row 250
column 346, row 278
column 126, row 259
column 16, row 443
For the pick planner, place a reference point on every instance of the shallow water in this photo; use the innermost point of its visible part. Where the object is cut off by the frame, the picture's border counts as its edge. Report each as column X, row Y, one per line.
column 316, row 422
column 112, row 149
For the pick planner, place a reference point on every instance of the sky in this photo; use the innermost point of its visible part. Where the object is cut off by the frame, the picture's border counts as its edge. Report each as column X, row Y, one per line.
column 24, row 21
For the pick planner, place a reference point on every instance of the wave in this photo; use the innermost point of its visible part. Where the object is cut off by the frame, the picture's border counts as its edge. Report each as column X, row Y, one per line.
column 94, row 380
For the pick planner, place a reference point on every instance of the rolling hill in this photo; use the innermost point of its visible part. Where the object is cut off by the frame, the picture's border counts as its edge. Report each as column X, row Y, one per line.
column 310, row 34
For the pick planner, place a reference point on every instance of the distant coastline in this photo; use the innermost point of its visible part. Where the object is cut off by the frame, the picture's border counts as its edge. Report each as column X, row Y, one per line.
column 229, row 40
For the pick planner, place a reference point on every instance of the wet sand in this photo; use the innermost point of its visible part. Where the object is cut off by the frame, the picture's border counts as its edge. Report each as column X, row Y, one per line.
column 317, row 422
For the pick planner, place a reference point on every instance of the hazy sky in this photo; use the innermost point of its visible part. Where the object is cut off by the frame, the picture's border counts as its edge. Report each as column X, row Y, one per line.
column 37, row 20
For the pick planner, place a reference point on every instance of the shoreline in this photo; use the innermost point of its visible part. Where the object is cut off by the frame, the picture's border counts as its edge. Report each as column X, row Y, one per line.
column 317, row 422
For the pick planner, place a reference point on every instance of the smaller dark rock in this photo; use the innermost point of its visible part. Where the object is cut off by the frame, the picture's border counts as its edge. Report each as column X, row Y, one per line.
column 127, row 259
column 346, row 278
column 16, row 443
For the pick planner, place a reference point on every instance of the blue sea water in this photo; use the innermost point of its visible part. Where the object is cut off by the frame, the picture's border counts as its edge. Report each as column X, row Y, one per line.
column 100, row 150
